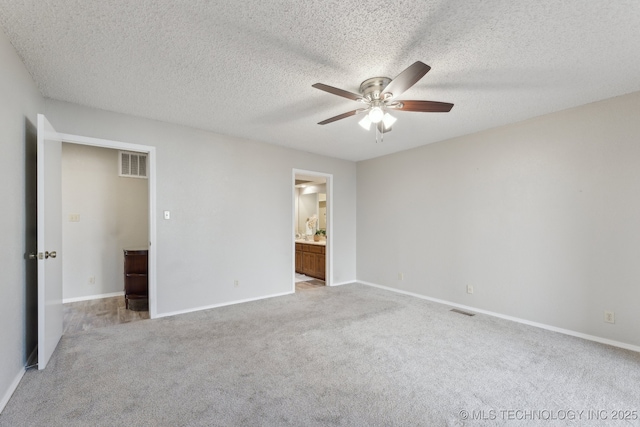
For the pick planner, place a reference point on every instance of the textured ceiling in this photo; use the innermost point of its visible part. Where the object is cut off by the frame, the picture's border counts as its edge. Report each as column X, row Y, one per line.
column 246, row 68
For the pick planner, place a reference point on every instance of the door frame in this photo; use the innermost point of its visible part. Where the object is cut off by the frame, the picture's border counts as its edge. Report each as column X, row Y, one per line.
column 151, row 163
column 329, row 246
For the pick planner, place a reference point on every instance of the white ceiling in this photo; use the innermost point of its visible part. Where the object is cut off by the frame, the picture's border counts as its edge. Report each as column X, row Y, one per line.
column 246, row 68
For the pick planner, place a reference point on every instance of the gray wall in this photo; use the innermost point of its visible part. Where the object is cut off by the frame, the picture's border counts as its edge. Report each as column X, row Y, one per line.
column 542, row 218
column 114, row 214
column 217, row 233
column 20, row 102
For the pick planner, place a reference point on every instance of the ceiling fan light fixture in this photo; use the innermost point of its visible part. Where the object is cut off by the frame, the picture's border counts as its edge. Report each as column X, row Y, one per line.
column 376, row 115
column 365, row 122
column 388, row 120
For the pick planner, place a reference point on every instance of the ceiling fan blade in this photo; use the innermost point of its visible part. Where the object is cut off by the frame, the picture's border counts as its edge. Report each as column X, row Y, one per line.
column 340, row 117
column 336, row 91
column 425, row 106
column 406, row 79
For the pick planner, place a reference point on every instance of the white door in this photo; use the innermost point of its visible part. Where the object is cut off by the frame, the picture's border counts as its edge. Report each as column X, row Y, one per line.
column 49, row 241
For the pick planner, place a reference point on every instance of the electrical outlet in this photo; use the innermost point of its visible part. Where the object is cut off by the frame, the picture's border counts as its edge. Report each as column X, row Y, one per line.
column 609, row 317
column 92, row 280
column 469, row 289
column 236, row 283
column 400, row 276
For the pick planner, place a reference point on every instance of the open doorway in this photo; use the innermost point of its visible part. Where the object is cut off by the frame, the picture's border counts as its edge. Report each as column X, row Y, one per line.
column 312, row 229
column 49, row 231
column 149, row 226
column 105, row 230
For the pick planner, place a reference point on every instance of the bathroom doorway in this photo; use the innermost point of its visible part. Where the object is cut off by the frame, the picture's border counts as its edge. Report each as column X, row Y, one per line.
column 311, row 229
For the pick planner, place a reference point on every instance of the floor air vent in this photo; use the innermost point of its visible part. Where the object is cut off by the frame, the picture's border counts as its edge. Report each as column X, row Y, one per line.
column 466, row 313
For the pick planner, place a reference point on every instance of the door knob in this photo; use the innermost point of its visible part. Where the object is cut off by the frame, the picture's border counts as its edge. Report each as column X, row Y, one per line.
column 51, row 254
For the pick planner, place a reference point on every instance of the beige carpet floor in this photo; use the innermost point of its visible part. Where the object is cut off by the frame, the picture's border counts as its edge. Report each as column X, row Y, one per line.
column 345, row 356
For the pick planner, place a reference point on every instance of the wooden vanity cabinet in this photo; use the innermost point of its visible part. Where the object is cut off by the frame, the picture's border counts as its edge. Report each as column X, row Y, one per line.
column 136, row 279
column 310, row 260
column 298, row 258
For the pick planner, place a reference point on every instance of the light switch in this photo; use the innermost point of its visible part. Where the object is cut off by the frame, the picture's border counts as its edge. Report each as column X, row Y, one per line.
column 167, row 215
column 74, row 218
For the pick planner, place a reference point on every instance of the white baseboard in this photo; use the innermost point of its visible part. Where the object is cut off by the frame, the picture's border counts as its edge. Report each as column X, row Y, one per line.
column 90, row 297
column 223, row 304
column 11, row 389
column 511, row 318
column 343, row 283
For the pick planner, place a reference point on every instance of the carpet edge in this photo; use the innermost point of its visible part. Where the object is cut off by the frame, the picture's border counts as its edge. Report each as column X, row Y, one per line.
column 222, row 304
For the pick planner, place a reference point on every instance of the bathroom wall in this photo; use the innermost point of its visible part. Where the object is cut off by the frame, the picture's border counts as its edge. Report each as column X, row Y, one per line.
column 307, row 204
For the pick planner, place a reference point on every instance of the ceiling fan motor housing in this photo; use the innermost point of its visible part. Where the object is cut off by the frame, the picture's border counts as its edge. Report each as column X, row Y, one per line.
column 373, row 87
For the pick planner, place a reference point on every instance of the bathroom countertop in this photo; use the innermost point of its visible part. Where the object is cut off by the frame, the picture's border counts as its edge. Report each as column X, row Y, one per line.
column 311, row 242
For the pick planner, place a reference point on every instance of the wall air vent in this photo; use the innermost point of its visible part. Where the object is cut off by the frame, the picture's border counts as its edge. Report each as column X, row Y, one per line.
column 133, row 165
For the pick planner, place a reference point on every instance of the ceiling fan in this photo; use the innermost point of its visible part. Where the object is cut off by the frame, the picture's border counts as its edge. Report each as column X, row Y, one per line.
column 379, row 95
